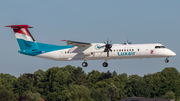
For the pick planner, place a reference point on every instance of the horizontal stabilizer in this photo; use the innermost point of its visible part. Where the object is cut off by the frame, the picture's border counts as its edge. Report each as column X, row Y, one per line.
column 19, row 26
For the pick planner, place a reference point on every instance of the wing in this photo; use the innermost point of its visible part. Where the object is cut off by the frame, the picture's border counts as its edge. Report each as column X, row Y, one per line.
column 75, row 43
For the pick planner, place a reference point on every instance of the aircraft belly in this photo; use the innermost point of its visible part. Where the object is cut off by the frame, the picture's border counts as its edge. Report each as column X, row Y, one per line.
column 53, row 55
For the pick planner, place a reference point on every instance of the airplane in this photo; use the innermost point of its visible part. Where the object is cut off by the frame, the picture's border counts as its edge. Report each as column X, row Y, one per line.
column 86, row 51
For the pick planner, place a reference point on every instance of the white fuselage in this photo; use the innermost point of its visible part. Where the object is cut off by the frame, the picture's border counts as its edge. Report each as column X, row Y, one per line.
column 119, row 51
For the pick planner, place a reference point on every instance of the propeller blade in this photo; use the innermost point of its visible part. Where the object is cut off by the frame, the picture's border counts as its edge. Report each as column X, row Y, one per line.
column 102, row 46
column 110, row 50
column 105, row 50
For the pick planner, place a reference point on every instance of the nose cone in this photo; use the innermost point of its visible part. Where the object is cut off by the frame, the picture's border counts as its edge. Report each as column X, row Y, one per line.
column 171, row 53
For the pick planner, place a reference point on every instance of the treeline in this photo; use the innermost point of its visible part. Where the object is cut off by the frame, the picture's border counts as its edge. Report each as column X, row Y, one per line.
column 73, row 84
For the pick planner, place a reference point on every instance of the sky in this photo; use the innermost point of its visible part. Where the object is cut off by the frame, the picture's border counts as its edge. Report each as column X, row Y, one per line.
column 93, row 21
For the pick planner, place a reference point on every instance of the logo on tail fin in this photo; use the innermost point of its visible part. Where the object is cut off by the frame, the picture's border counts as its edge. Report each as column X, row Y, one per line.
column 24, row 37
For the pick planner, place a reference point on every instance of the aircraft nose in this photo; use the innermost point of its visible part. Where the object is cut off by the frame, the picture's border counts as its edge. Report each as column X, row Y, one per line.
column 171, row 53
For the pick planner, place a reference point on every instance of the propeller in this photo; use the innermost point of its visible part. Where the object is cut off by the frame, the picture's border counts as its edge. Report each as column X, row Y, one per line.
column 108, row 47
column 127, row 42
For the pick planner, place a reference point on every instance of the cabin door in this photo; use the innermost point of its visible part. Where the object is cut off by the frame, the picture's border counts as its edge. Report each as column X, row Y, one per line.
column 138, row 51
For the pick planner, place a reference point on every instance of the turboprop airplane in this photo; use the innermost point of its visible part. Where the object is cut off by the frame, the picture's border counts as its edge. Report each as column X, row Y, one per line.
column 86, row 51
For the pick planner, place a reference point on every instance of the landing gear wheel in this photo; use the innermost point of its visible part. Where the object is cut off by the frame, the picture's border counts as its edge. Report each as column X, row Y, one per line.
column 105, row 64
column 167, row 60
column 84, row 64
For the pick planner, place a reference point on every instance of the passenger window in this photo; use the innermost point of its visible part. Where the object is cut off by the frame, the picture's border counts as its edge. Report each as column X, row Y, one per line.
column 129, row 49
column 119, row 49
column 132, row 49
column 124, row 49
column 138, row 49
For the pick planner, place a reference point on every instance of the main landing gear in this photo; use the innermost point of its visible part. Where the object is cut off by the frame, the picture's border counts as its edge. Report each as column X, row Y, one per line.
column 167, row 60
column 84, row 64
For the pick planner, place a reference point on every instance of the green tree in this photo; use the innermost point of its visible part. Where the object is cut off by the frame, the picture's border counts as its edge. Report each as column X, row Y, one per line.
column 68, row 68
column 99, row 94
column 34, row 96
column 120, row 81
column 93, row 77
column 78, row 77
column 114, row 73
column 112, row 92
column 157, row 83
column 40, row 74
column 6, row 95
column 79, row 93
column 6, row 81
column 53, row 96
column 169, row 95
column 105, row 75
column 53, row 83
column 23, row 85
column 137, row 86
column 101, row 84
column 172, row 82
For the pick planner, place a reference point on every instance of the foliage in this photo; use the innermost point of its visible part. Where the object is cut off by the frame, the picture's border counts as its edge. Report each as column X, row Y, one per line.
column 6, row 95
column 112, row 92
column 34, row 96
column 99, row 94
column 79, row 93
column 23, row 85
column 138, row 87
column 169, row 95
column 73, row 84
column 93, row 77
column 78, row 77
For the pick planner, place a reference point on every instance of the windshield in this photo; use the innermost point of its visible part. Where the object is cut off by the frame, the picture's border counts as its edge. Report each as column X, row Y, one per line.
column 160, row 47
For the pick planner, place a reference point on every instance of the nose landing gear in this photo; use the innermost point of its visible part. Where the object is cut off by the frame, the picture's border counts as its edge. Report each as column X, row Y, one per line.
column 167, row 60
column 105, row 64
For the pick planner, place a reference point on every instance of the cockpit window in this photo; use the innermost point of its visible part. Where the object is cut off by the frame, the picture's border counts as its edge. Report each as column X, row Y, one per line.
column 160, row 47
column 163, row 47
